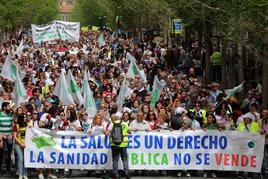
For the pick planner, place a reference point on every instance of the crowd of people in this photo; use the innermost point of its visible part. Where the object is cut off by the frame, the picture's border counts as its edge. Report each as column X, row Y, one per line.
column 185, row 103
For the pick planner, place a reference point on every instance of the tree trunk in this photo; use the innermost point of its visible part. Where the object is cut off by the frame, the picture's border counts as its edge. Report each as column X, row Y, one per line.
column 223, row 69
column 2, row 35
column 240, row 62
column 265, row 73
column 208, row 66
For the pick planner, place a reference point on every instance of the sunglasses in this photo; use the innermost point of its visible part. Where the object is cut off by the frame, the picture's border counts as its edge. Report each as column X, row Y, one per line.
column 35, row 113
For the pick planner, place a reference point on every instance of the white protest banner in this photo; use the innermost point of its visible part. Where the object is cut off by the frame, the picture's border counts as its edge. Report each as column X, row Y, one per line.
column 56, row 30
column 191, row 150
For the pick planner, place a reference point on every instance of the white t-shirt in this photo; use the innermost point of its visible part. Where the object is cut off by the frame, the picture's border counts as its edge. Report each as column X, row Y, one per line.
column 141, row 126
column 86, row 125
column 196, row 125
column 96, row 130
column 71, row 126
column 223, row 121
column 45, row 120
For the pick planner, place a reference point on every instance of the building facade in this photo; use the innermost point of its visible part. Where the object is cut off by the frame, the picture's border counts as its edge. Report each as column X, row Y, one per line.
column 65, row 9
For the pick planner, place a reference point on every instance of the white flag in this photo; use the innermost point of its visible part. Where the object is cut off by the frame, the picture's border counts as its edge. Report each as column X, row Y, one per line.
column 122, row 95
column 101, row 40
column 133, row 70
column 9, row 70
column 20, row 49
column 74, row 89
column 19, row 93
column 235, row 90
column 157, row 89
column 61, row 90
column 85, row 81
column 89, row 102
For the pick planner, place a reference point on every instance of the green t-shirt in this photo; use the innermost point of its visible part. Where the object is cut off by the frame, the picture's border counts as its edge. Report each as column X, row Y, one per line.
column 6, row 123
column 210, row 126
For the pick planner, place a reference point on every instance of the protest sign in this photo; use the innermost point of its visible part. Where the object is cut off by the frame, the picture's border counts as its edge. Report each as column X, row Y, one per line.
column 191, row 150
column 56, row 30
column 176, row 26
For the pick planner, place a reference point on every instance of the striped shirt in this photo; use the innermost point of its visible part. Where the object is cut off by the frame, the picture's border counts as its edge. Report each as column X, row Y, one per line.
column 6, row 123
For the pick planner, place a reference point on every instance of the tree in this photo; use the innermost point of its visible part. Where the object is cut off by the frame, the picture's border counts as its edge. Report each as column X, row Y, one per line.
column 84, row 10
column 11, row 13
column 14, row 14
column 41, row 12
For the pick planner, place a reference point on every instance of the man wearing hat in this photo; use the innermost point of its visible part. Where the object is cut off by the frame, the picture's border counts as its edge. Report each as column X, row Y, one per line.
column 119, row 149
column 248, row 125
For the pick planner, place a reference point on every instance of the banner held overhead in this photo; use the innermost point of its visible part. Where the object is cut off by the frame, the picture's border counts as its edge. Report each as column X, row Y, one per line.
column 56, row 30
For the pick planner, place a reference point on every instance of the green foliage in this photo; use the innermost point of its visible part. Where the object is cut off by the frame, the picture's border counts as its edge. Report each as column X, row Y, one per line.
column 11, row 13
column 85, row 10
column 15, row 13
column 41, row 12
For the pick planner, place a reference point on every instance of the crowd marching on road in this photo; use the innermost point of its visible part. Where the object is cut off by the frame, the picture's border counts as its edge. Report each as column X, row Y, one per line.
column 102, row 61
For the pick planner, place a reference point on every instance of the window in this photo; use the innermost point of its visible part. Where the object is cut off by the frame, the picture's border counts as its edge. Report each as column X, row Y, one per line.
column 69, row 2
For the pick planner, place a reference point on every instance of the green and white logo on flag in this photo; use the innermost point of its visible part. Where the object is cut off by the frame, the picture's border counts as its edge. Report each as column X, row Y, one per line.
column 62, row 91
column 89, row 101
column 154, row 97
column 20, row 94
column 74, row 87
column 135, row 70
column 74, row 90
column 9, row 70
column 13, row 70
column 157, row 89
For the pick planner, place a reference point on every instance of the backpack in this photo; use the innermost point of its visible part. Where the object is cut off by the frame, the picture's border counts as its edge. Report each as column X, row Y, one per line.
column 117, row 133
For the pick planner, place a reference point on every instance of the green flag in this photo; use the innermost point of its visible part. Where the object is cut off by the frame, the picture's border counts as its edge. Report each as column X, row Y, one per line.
column 20, row 94
column 9, row 70
column 61, row 90
column 74, row 89
column 157, row 89
column 89, row 101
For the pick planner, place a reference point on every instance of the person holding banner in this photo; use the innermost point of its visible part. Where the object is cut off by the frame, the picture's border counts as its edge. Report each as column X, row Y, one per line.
column 264, row 129
column 47, row 121
column 199, row 114
column 248, row 125
column 98, row 126
column 85, row 121
column 187, row 125
column 19, row 131
column 139, row 124
column 211, row 125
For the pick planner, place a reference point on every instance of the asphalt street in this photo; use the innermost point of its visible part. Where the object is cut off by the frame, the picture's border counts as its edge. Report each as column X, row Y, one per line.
column 145, row 175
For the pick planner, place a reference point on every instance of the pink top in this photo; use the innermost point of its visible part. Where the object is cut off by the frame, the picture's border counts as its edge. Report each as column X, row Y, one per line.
column 265, row 129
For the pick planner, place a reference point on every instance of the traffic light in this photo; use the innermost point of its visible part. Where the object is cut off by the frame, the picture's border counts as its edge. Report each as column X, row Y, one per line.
column 102, row 22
